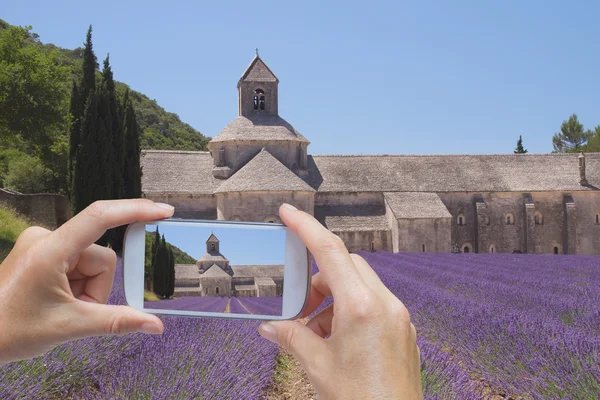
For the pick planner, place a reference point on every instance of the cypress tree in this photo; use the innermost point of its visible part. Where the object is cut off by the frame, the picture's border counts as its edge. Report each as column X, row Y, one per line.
column 161, row 269
column 115, row 160
column 155, row 244
column 80, row 96
column 74, row 131
column 171, row 274
column 520, row 149
column 132, row 177
column 89, row 67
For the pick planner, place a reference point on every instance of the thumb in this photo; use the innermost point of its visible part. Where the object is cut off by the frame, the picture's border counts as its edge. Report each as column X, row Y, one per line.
column 102, row 319
column 295, row 338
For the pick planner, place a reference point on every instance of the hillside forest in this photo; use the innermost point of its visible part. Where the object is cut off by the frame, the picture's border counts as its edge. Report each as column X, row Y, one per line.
column 36, row 82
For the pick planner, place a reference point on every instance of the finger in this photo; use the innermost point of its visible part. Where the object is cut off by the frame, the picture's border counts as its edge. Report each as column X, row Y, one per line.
column 96, row 268
column 30, row 236
column 329, row 251
column 295, row 338
column 102, row 319
column 366, row 272
column 321, row 323
column 319, row 291
column 89, row 225
column 92, row 261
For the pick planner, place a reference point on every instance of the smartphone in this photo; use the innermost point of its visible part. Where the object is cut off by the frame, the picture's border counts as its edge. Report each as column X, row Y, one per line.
column 217, row 269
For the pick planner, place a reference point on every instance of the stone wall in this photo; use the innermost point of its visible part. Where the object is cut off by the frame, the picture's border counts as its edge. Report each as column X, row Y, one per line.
column 210, row 284
column 588, row 232
column 260, row 206
column 434, row 233
column 48, row 210
column 190, row 206
column 362, row 240
column 238, row 154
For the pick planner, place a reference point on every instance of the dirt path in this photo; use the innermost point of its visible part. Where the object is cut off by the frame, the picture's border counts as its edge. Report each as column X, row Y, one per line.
column 245, row 308
column 289, row 381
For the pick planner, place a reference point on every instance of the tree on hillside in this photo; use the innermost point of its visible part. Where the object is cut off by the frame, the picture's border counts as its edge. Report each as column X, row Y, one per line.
column 32, row 88
column 594, row 140
column 132, row 177
column 520, row 149
column 571, row 138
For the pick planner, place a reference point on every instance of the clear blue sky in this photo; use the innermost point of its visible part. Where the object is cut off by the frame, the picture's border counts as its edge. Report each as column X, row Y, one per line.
column 370, row 77
column 240, row 246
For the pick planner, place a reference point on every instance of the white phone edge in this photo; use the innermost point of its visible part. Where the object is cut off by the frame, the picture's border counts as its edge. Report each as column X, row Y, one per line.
column 296, row 278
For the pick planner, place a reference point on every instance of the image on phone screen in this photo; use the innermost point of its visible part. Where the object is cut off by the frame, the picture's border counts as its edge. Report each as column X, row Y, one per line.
column 214, row 269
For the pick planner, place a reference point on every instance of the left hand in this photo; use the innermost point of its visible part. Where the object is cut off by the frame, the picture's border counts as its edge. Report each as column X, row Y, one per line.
column 54, row 285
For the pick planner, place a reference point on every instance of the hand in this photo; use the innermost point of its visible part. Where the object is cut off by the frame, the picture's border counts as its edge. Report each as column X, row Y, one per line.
column 372, row 351
column 54, row 285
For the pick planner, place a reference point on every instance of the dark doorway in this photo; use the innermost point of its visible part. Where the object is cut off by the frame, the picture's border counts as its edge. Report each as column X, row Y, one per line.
column 217, row 290
column 466, row 249
column 555, row 250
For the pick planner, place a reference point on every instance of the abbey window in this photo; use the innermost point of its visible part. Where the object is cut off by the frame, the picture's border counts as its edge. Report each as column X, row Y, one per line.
column 460, row 220
column 510, row 219
column 539, row 219
column 259, row 99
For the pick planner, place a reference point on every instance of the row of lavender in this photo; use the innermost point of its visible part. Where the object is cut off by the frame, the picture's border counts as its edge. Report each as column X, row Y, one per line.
column 522, row 325
column 194, row 359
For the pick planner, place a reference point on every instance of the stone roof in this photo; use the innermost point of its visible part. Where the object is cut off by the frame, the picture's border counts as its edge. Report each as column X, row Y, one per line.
column 264, row 173
column 245, row 287
column 212, row 256
column 258, row 71
column 186, row 271
column 452, row 173
column 264, row 280
column 215, row 272
column 253, row 271
column 212, row 238
column 259, row 127
column 414, row 205
column 190, row 172
column 177, row 172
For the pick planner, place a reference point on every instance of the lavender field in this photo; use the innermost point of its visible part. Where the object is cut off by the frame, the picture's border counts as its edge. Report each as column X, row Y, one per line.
column 520, row 326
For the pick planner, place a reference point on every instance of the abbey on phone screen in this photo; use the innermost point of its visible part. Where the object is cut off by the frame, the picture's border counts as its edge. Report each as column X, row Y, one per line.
column 216, row 269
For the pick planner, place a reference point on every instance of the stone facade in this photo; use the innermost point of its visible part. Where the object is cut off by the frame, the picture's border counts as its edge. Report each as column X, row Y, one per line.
column 543, row 203
column 48, row 210
column 212, row 275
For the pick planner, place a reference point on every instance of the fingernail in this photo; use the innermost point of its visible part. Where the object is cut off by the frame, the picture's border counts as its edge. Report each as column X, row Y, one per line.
column 150, row 328
column 290, row 207
column 268, row 331
column 165, row 206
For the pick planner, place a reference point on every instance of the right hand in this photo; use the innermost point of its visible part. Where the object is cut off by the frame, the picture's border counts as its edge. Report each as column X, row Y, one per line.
column 372, row 352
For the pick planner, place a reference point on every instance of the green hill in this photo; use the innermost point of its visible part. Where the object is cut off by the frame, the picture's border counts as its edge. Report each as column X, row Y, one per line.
column 181, row 257
column 162, row 130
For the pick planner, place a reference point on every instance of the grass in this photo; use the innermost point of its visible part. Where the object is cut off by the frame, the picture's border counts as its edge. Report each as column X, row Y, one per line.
column 11, row 226
column 150, row 296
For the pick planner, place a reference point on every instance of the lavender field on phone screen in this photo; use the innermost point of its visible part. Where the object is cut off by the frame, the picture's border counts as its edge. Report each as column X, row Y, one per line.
column 514, row 325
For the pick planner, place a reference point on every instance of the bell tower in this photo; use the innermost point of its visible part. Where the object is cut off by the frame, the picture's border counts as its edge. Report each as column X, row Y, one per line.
column 257, row 90
column 212, row 244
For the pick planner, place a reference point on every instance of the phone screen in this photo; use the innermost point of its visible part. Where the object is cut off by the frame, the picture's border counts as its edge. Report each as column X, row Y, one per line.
column 224, row 269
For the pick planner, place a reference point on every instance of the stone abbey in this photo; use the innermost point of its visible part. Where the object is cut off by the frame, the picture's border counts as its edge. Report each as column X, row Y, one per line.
column 528, row 203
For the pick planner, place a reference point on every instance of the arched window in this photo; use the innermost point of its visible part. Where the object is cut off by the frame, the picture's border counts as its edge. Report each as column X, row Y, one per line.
column 259, row 99
column 372, row 247
column 273, row 219
column 467, row 248
column 217, row 290
column 539, row 219
column 492, row 248
column 460, row 220
column 423, row 248
column 213, row 247
column 555, row 250
column 509, row 219
column 206, row 291
column 597, row 219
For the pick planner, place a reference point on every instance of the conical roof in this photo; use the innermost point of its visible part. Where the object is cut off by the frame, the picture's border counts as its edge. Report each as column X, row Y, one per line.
column 264, row 173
